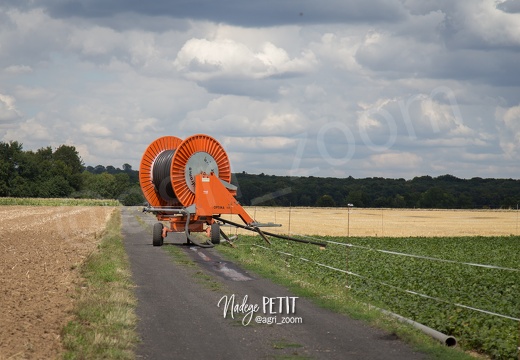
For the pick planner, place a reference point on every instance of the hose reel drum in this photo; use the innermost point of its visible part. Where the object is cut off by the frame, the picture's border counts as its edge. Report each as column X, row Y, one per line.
column 169, row 172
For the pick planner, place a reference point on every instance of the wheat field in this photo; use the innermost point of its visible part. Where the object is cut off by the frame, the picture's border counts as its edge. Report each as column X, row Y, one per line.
column 384, row 222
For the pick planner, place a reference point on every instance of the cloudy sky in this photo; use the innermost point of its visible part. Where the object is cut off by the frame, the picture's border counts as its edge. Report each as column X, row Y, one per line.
column 391, row 88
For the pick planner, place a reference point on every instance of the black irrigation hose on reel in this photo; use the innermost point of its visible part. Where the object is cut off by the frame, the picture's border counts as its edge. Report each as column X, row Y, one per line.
column 161, row 174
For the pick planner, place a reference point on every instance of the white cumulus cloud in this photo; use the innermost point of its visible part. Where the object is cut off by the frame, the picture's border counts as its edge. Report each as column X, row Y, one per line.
column 202, row 59
column 8, row 111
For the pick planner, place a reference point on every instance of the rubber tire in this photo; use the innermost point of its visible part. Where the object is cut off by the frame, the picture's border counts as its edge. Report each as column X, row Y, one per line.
column 157, row 234
column 215, row 233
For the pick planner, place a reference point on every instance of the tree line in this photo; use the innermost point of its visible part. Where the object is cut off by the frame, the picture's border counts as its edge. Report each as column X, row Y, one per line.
column 442, row 192
column 49, row 173
column 61, row 173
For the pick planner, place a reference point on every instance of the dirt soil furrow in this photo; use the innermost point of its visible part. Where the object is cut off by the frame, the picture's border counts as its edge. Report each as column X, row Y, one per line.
column 41, row 249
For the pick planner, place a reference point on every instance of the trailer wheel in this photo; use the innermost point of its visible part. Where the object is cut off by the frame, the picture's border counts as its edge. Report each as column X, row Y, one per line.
column 215, row 233
column 157, row 234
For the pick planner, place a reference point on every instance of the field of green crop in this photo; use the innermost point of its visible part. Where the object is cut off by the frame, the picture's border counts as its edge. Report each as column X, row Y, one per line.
column 401, row 283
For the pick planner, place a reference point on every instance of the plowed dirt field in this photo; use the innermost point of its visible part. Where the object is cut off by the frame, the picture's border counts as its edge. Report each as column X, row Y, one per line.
column 41, row 249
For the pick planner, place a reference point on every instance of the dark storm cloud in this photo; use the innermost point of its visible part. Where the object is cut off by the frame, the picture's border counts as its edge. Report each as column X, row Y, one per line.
column 235, row 12
column 480, row 67
column 510, row 6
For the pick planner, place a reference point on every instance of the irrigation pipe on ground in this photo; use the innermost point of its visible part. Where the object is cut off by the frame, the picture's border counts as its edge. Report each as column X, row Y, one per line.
column 447, row 340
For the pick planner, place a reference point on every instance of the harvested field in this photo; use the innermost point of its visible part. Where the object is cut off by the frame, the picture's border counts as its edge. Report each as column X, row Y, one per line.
column 386, row 222
column 41, row 249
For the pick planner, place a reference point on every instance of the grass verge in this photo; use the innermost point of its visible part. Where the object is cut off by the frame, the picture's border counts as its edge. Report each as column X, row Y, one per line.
column 334, row 298
column 104, row 325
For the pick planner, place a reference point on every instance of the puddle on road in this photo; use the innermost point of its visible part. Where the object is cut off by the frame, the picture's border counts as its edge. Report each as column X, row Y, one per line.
column 221, row 267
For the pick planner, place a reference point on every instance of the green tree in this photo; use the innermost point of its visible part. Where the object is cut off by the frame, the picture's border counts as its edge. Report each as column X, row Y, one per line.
column 70, row 157
column 357, row 198
column 436, row 197
column 110, row 169
column 399, row 201
column 326, row 201
column 122, row 182
column 305, row 200
column 56, row 186
column 10, row 154
column 132, row 196
column 101, row 185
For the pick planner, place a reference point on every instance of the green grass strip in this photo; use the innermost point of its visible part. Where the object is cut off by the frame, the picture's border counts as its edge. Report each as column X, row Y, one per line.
column 57, row 202
column 105, row 322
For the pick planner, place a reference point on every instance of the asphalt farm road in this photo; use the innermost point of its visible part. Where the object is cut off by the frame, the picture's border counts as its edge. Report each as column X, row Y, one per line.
column 181, row 310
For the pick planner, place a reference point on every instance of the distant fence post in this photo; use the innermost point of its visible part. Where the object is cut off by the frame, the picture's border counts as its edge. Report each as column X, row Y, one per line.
column 382, row 224
column 289, row 219
column 347, row 286
column 517, row 234
column 349, row 206
column 348, row 222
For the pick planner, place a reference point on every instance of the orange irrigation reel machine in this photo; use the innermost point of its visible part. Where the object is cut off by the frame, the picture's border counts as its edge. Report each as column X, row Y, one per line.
column 188, row 184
